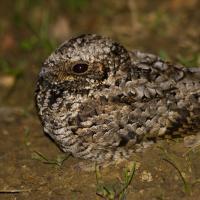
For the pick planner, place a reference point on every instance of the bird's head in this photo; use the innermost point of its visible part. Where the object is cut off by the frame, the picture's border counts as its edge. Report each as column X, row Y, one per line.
column 85, row 62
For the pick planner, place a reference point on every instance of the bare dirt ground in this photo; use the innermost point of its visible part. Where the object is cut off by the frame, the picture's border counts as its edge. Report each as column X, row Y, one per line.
column 31, row 165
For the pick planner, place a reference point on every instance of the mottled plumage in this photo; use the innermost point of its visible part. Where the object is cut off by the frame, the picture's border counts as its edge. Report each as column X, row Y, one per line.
column 101, row 102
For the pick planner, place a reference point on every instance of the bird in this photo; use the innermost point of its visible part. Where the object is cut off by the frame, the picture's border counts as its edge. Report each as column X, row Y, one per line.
column 101, row 102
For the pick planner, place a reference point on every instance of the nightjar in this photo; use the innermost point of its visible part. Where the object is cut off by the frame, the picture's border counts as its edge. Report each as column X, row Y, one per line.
column 100, row 102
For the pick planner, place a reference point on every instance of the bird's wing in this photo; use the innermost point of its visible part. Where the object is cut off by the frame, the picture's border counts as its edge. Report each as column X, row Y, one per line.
column 156, row 66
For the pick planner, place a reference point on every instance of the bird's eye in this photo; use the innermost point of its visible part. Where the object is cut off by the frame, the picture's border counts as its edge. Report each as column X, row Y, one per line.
column 80, row 68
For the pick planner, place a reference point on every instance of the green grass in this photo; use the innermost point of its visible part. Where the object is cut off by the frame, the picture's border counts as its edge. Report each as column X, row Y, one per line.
column 186, row 185
column 110, row 192
column 188, row 61
column 192, row 61
column 75, row 5
column 7, row 68
column 59, row 160
column 163, row 54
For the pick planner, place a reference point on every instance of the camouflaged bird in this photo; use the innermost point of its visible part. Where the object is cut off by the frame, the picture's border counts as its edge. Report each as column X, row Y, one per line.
column 100, row 102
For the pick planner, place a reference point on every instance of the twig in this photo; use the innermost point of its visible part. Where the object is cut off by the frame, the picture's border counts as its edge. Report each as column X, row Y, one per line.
column 14, row 191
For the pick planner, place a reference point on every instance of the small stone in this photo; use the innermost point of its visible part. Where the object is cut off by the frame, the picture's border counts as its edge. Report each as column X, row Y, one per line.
column 146, row 176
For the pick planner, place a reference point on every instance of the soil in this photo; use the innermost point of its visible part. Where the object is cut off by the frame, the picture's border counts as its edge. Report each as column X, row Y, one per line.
column 31, row 164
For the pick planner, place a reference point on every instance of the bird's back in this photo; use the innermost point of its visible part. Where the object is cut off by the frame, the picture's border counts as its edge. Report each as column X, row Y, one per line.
column 171, row 93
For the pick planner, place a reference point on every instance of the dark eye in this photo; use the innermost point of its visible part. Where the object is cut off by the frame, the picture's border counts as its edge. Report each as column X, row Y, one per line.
column 80, row 68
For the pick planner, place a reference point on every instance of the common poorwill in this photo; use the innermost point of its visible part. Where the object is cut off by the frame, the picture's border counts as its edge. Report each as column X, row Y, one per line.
column 101, row 102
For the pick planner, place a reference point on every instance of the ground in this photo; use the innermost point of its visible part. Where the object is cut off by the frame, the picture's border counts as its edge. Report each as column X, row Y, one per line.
column 32, row 166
